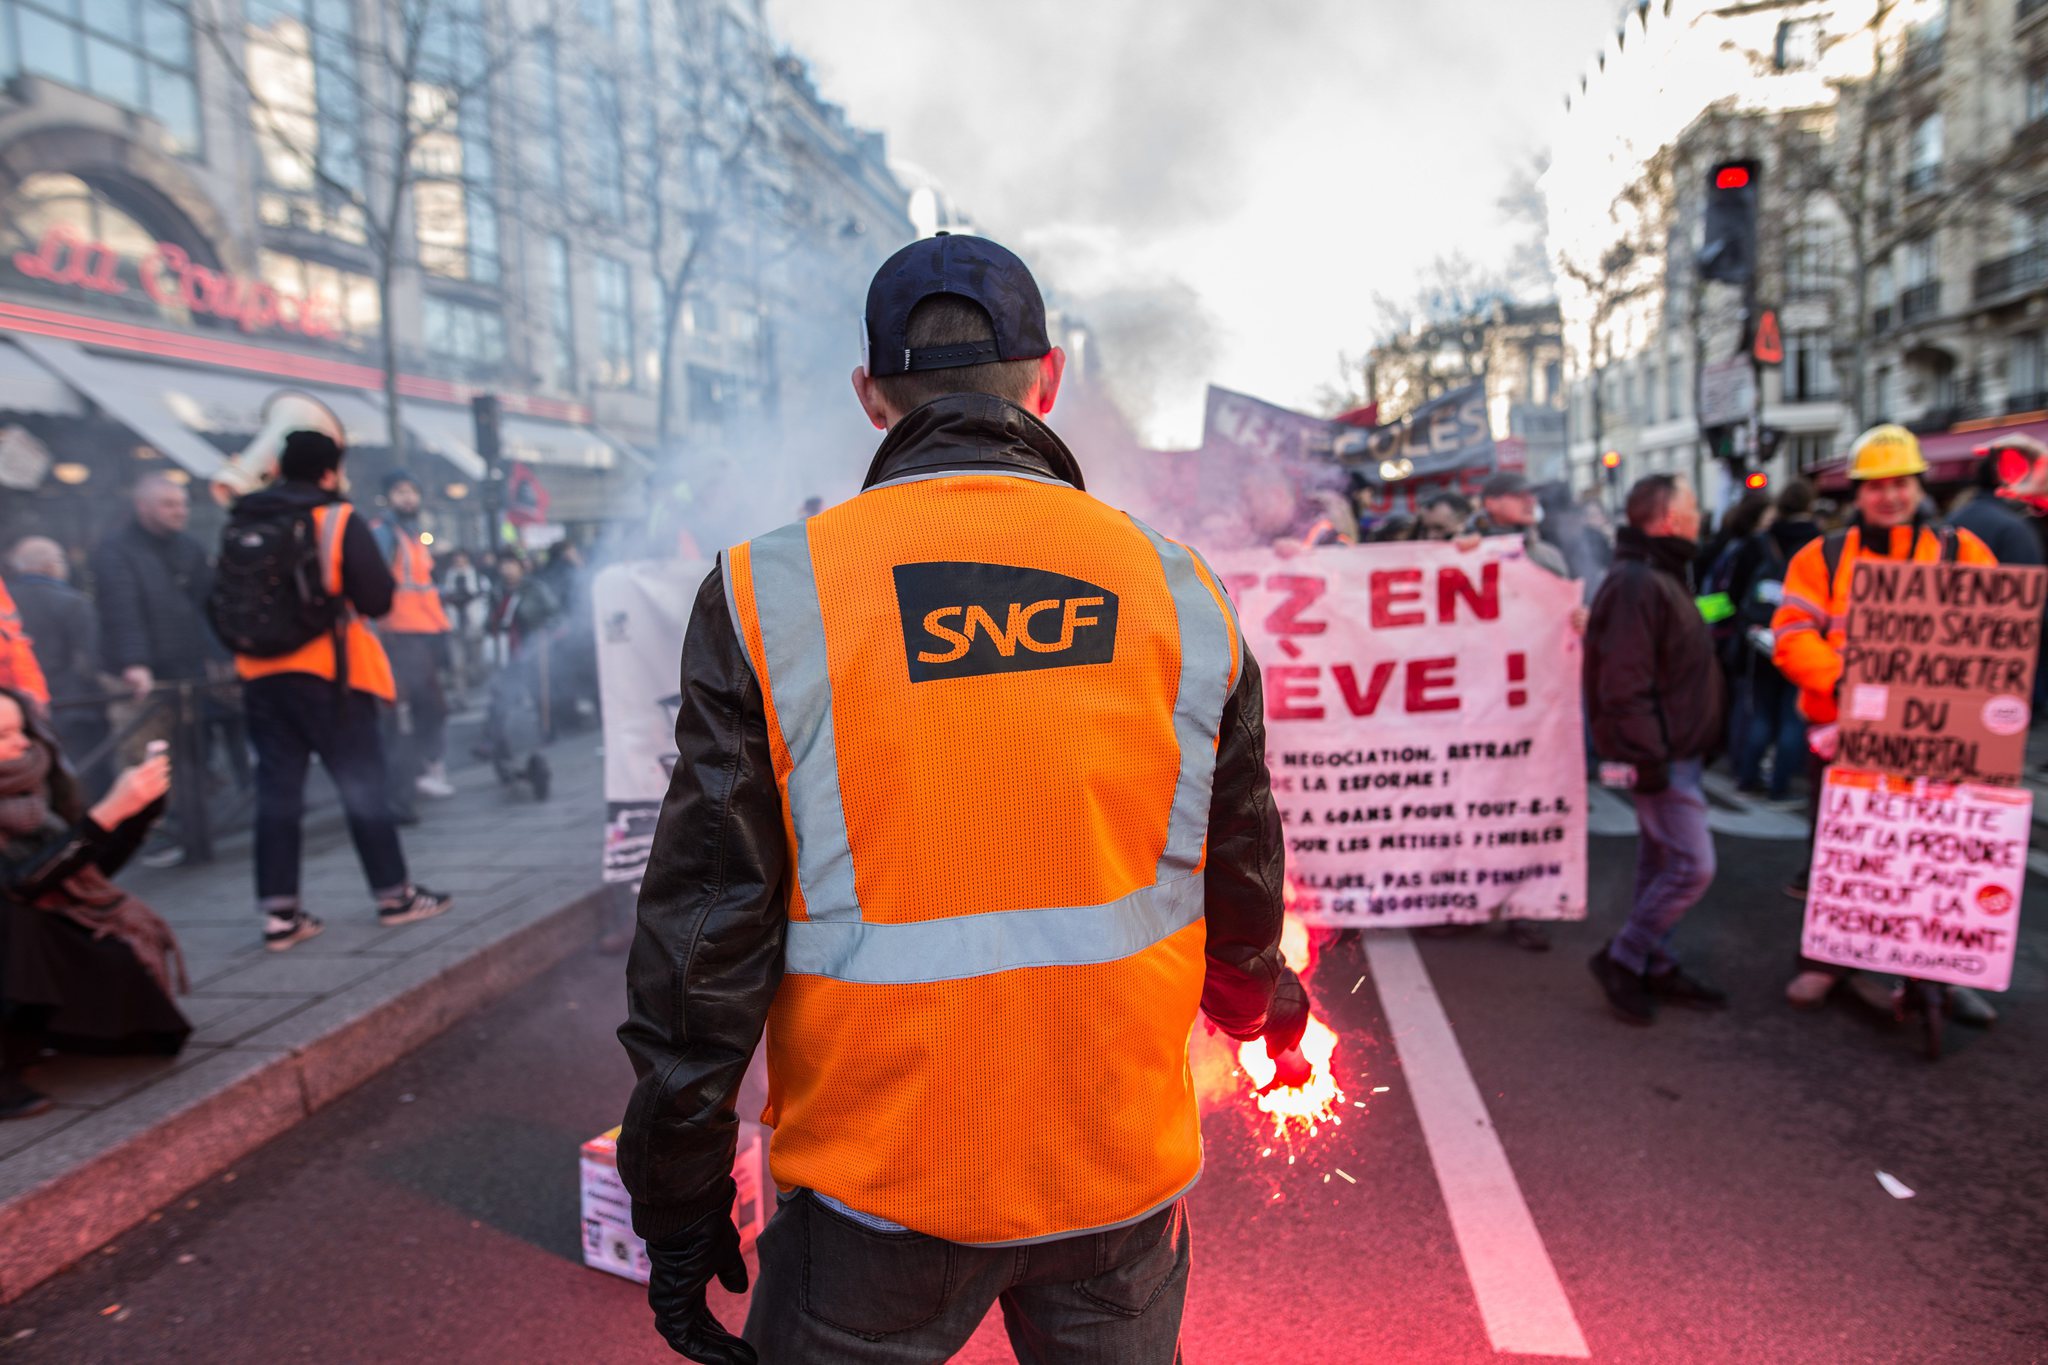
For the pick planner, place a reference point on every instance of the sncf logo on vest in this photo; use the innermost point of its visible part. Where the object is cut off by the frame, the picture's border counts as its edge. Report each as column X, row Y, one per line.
column 961, row 620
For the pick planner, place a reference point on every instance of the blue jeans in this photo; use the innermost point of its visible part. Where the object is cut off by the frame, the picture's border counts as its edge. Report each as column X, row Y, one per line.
column 833, row 1290
column 1674, row 868
column 1773, row 720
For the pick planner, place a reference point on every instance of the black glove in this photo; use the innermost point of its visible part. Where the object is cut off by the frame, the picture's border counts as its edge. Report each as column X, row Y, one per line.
column 1652, row 778
column 1287, row 1016
column 681, row 1266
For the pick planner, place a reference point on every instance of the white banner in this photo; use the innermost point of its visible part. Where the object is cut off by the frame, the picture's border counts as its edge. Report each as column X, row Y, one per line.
column 1423, row 729
column 641, row 609
column 1919, row 878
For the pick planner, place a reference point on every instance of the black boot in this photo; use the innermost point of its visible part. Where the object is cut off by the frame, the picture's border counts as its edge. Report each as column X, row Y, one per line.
column 1628, row 994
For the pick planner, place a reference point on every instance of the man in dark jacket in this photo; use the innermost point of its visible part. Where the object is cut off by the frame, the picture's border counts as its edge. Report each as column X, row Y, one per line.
column 64, row 629
column 1997, row 521
column 150, row 580
column 717, row 944
column 1658, row 702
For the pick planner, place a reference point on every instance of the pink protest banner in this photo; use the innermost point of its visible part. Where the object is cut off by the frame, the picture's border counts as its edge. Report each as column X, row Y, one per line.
column 1423, row 729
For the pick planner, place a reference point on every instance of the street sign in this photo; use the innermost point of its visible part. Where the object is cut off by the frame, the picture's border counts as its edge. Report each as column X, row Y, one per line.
column 1770, row 342
column 1727, row 392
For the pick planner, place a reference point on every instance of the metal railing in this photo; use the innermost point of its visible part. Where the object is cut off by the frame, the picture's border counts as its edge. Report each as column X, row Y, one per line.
column 1920, row 303
column 182, row 714
column 2009, row 274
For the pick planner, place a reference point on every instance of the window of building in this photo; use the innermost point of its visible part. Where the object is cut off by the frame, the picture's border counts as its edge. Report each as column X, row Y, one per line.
column 547, row 109
column 614, row 323
column 467, row 334
column 1798, row 45
column 1809, row 452
column 344, row 298
column 1882, row 395
column 712, row 394
column 1809, row 367
column 607, row 146
column 305, row 102
column 561, row 315
column 1674, row 386
column 1809, row 263
column 1916, row 263
column 598, row 15
column 2036, row 107
column 2026, row 372
column 1923, row 153
column 134, row 53
column 455, row 216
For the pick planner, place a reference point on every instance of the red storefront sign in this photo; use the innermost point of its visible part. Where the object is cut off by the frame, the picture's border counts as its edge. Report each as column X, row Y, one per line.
column 171, row 279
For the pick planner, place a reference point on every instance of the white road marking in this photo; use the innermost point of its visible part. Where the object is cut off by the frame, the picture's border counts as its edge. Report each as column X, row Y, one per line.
column 1520, row 1296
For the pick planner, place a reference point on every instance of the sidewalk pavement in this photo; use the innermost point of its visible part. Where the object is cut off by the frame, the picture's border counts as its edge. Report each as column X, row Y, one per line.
column 279, row 1035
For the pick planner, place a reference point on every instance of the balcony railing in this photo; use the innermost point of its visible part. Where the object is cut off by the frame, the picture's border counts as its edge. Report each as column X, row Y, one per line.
column 1923, row 179
column 2010, row 274
column 2027, row 402
column 1919, row 303
column 1881, row 318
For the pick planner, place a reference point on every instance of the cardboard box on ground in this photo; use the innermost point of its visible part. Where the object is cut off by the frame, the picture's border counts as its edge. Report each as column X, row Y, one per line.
column 608, row 1240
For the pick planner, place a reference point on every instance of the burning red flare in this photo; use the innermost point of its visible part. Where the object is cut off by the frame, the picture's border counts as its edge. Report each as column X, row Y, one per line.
column 1299, row 1107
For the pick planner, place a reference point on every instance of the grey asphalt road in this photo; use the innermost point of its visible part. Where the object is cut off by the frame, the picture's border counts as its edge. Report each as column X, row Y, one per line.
column 1706, row 1188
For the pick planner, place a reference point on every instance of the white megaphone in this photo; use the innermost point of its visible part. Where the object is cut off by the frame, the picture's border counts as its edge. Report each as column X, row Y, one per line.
column 286, row 411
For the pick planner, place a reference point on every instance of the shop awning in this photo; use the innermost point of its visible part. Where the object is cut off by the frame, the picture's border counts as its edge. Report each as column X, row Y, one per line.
column 112, row 387
column 1949, row 454
column 27, row 385
column 232, row 405
column 451, row 432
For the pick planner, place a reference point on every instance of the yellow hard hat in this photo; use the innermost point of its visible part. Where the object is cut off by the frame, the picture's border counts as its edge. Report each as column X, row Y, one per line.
column 1886, row 452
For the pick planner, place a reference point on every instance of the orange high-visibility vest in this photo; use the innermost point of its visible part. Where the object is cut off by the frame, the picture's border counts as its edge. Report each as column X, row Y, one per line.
column 1811, row 623
column 369, row 669
column 993, row 705
column 416, row 602
column 19, row 667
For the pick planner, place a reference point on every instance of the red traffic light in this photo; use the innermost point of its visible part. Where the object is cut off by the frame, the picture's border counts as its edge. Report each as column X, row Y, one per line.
column 1612, row 459
column 1758, row 479
column 1731, row 177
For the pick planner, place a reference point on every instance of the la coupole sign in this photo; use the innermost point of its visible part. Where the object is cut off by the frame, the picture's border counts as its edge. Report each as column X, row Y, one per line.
column 173, row 281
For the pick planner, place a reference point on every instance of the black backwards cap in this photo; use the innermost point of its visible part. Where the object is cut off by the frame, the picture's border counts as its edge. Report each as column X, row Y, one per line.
column 977, row 270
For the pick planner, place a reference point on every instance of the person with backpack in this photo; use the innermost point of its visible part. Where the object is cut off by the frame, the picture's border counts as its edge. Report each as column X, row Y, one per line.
column 298, row 576
column 1775, row 726
column 1811, row 624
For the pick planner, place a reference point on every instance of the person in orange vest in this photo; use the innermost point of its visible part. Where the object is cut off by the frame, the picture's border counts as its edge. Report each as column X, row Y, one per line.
column 1892, row 520
column 415, row 635
column 319, row 695
column 19, row 670
column 971, row 812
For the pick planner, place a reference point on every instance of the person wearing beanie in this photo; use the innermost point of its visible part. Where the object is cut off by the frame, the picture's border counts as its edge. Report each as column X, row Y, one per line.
column 321, row 696
column 415, row 635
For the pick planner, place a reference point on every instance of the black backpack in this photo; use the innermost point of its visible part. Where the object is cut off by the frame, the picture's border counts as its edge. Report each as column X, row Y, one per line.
column 270, row 593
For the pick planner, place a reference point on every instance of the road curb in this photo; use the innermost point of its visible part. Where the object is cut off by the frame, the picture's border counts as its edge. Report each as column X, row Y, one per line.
column 226, row 1105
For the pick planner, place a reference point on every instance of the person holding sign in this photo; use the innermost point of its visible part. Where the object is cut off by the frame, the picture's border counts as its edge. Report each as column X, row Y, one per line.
column 1812, row 622
column 1658, row 703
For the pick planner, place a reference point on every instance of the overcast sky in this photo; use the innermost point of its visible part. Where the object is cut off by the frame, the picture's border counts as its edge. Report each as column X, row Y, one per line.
column 1220, row 186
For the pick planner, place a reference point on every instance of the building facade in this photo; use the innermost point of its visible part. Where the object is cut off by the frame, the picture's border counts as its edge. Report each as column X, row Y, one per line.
column 634, row 224
column 1901, row 185
column 1516, row 349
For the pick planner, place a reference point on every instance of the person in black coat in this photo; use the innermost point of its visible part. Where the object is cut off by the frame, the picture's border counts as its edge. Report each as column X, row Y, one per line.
column 1657, row 703
column 1994, row 520
column 64, row 631
column 83, row 965
column 151, row 580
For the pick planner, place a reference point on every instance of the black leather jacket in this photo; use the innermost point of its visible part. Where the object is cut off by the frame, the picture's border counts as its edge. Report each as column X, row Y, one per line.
column 707, row 957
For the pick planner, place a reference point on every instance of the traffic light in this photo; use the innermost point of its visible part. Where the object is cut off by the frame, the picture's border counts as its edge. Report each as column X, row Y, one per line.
column 1611, row 461
column 1728, row 250
column 1757, row 479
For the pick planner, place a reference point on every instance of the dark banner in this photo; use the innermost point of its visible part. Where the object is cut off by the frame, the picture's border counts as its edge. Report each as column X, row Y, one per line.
column 1240, row 424
column 1444, row 436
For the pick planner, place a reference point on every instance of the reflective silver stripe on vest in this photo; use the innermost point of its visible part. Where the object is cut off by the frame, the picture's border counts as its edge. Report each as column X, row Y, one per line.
column 732, row 609
column 793, row 646
column 999, row 941
column 1205, row 681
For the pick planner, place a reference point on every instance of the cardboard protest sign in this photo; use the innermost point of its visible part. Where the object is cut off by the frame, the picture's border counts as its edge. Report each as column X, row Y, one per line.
column 642, row 609
column 1423, row 729
column 1938, row 670
column 1918, row 878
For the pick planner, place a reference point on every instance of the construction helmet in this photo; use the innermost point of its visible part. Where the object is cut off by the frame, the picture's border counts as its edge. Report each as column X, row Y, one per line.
column 1886, row 452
